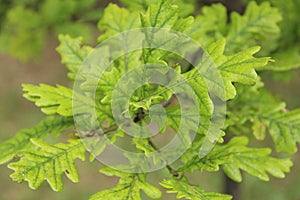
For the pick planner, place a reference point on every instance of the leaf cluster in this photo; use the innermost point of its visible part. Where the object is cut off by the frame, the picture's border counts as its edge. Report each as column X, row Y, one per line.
column 25, row 24
column 233, row 44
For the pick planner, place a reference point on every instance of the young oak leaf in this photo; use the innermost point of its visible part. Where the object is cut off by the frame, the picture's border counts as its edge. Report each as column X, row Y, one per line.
column 129, row 187
column 235, row 156
column 287, row 54
column 117, row 20
column 208, row 27
column 185, row 190
column 254, row 161
column 266, row 114
column 52, row 100
column 48, row 162
column 258, row 26
column 58, row 100
column 186, row 6
column 107, row 82
column 139, row 4
column 22, row 32
column 284, row 129
column 15, row 145
column 211, row 162
column 239, row 67
column 204, row 102
column 162, row 15
column 72, row 53
column 289, row 24
column 186, row 119
column 259, row 23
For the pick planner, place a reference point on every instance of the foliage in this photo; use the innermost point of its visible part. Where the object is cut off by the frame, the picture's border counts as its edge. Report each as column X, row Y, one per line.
column 188, row 191
column 128, row 187
column 48, row 162
column 286, row 51
column 234, row 46
column 235, row 156
column 24, row 25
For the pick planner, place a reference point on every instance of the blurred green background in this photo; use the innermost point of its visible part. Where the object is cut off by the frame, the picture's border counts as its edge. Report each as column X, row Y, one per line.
column 16, row 113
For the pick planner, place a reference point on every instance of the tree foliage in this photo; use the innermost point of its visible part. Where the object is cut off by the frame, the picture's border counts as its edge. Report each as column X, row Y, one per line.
column 24, row 24
column 233, row 44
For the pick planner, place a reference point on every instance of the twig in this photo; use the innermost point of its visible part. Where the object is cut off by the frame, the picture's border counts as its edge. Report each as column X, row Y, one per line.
column 170, row 169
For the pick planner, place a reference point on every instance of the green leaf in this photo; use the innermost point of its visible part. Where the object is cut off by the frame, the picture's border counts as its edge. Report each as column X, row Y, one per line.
column 144, row 145
column 175, row 117
column 259, row 130
column 257, row 26
column 117, row 20
column 162, row 15
column 72, row 53
column 208, row 27
column 48, row 162
column 261, row 108
column 259, row 23
column 52, row 100
column 284, row 129
column 22, row 33
column 239, row 67
column 254, row 161
column 251, row 109
column 139, row 4
column 150, row 152
column 57, row 100
column 204, row 102
column 183, row 24
column 287, row 54
column 54, row 10
column 186, row 6
column 233, row 157
column 289, row 25
column 13, row 146
column 188, row 191
column 211, row 162
column 128, row 188
column 107, row 82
